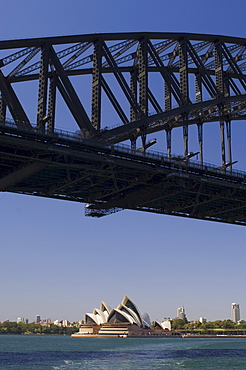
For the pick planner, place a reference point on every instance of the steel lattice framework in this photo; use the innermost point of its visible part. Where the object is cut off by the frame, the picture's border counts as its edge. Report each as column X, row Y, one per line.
column 153, row 82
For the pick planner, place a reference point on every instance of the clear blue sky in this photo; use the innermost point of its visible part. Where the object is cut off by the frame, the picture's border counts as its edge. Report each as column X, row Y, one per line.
column 57, row 263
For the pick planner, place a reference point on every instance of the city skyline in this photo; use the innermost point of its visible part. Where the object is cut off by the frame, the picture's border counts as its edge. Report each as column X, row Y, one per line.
column 181, row 314
column 58, row 263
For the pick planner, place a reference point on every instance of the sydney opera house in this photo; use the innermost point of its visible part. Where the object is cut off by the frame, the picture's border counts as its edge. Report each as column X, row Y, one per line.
column 123, row 321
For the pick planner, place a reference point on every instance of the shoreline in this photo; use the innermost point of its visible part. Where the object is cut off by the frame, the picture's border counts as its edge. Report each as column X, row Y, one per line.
column 157, row 336
column 213, row 336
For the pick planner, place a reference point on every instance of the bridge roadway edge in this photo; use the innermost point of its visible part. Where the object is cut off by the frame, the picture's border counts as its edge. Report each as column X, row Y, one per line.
column 111, row 178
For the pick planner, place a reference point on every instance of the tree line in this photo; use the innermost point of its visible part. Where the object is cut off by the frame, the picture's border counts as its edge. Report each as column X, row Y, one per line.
column 210, row 327
column 9, row 327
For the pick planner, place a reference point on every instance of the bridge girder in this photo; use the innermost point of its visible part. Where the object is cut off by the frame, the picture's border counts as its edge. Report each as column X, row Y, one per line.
column 217, row 61
column 152, row 82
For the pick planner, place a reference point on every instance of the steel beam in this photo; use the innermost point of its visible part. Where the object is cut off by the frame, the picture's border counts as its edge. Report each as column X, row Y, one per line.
column 43, row 88
column 116, row 134
column 184, row 86
column 71, row 97
column 121, row 80
column 13, row 103
column 20, row 174
column 2, row 108
column 96, row 85
column 133, row 114
column 114, row 101
column 52, row 104
column 168, row 76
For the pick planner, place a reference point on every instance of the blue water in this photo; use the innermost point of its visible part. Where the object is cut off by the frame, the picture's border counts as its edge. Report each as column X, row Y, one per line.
column 65, row 353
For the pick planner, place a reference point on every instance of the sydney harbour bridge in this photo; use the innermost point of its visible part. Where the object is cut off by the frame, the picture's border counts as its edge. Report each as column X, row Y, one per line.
column 152, row 84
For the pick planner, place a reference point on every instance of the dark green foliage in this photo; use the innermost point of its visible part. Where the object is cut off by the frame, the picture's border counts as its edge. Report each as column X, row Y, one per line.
column 8, row 327
column 210, row 327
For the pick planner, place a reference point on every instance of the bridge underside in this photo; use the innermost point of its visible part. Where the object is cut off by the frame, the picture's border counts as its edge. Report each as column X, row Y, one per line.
column 112, row 178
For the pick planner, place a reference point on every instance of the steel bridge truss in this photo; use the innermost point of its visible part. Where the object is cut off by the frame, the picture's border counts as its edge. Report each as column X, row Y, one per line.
column 153, row 82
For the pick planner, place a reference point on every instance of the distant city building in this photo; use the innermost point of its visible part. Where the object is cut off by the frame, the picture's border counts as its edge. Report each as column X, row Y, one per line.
column 181, row 313
column 45, row 322
column 61, row 323
column 38, row 319
column 202, row 320
column 240, row 322
column 20, row 319
column 235, row 312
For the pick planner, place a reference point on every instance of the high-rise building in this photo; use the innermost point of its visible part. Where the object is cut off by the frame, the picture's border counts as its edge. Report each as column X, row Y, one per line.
column 38, row 319
column 235, row 312
column 181, row 313
column 202, row 320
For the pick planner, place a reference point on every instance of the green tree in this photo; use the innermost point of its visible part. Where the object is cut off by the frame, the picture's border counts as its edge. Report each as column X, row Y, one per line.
column 178, row 324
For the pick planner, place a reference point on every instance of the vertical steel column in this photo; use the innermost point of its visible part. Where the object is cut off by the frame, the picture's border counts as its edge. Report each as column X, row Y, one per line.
column 169, row 142
column 168, row 106
column 2, row 108
column 198, row 83
column 42, row 90
column 228, row 131
column 96, row 85
column 143, row 81
column 133, row 115
column 51, row 104
column 222, row 136
column 218, row 60
column 200, row 139
column 168, row 97
column 184, row 85
column 133, row 144
column 228, row 122
column 143, row 76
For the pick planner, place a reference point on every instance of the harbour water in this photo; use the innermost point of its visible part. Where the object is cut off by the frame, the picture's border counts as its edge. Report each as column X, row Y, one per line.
column 43, row 352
